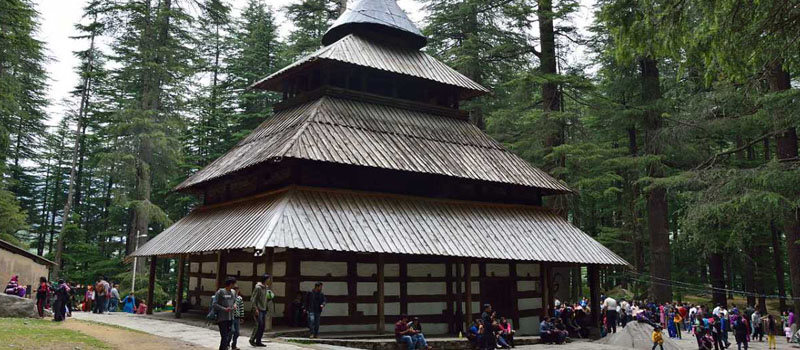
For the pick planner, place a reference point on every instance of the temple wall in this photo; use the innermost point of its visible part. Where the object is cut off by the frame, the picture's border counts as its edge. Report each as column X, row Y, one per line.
column 418, row 286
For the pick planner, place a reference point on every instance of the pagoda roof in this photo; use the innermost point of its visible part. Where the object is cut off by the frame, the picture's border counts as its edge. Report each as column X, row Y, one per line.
column 382, row 16
column 350, row 221
column 346, row 131
column 365, row 52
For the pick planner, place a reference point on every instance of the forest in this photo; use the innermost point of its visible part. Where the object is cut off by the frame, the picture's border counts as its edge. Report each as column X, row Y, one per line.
column 676, row 127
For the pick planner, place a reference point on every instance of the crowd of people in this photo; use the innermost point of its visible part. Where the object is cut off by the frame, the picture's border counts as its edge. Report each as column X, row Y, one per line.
column 491, row 331
column 64, row 297
column 710, row 327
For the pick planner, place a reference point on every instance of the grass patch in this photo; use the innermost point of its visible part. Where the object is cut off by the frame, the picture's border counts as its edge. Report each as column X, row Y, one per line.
column 18, row 333
column 300, row 341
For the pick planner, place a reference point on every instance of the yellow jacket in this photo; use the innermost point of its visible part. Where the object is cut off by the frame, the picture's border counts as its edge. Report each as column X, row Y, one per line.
column 657, row 338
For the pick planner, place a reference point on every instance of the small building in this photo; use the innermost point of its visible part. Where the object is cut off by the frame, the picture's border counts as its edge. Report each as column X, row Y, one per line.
column 28, row 266
column 369, row 178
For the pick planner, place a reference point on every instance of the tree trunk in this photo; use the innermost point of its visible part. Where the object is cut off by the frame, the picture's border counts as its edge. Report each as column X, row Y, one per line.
column 87, row 83
column 749, row 277
column 729, row 275
column 657, row 211
column 779, row 80
column 777, row 257
column 43, row 226
column 716, row 269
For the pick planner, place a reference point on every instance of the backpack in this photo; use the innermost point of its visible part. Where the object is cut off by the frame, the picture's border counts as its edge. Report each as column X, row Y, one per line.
column 212, row 312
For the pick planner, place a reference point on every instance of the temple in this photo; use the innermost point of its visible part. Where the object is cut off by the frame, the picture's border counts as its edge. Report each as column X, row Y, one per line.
column 369, row 178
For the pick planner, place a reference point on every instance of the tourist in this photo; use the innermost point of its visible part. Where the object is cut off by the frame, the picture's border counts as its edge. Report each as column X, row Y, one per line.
column 787, row 330
column 625, row 308
column 658, row 338
column 507, row 331
column 419, row 338
column 71, row 291
column 725, row 324
column 60, row 304
column 13, row 287
column 716, row 332
column 238, row 318
column 99, row 296
column 88, row 299
column 561, row 331
column 487, row 318
column 474, row 333
column 403, row 334
column 42, row 296
column 677, row 319
column 610, row 308
column 500, row 340
column 129, row 304
column 315, row 302
column 755, row 323
column 224, row 305
column 546, row 332
column 771, row 327
column 114, row 298
column 740, row 331
column 298, row 310
column 792, row 323
column 259, row 299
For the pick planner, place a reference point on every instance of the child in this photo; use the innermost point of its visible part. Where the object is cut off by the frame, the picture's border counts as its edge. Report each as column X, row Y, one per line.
column 788, row 331
column 658, row 339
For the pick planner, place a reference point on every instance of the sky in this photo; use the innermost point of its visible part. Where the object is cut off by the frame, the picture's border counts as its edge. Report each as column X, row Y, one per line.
column 57, row 18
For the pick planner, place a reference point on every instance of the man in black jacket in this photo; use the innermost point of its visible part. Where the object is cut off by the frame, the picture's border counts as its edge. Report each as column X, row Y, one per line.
column 315, row 301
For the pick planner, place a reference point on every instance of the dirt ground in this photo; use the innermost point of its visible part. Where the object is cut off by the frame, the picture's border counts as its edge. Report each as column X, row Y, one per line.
column 124, row 339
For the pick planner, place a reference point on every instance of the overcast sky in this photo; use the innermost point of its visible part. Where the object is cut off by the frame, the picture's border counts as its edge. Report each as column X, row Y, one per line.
column 57, row 18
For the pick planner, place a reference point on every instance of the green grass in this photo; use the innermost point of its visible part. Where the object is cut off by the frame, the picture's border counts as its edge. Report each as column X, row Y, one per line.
column 18, row 333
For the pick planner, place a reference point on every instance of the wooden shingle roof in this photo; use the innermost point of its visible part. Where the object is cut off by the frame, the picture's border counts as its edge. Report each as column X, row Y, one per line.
column 364, row 52
column 361, row 133
column 349, row 221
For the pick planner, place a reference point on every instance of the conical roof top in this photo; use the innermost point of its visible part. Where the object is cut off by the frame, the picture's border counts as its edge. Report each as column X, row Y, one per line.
column 378, row 17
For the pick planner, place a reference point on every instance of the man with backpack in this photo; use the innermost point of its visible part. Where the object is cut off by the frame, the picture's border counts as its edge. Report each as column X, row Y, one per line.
column 261, row 295
column 223, row 305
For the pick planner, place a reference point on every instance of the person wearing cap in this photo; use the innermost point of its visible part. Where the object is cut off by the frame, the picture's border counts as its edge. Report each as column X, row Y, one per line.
column 315, row 302
column 261, row 295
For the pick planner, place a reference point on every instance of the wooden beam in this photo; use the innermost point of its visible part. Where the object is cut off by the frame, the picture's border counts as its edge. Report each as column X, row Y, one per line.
column 468, row 291
column 459, row 300
column 451, row 323
column 292, row 281
column 220, row 269
column 179, row 291
column 544, row 271
column 594, row 296
column 269, row 257
column 512, row 272
column 381, row 293
column 151, row 285
column 352, row 286
column 403, row 286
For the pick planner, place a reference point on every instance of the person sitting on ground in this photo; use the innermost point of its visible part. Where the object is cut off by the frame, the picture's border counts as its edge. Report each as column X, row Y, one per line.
column 474, row 334
column 129, row 304
column 657, row 337
column 561, row 331
column 419, row 338
column 507, row 331
column 546, row 332
column 403, row 334
column 13, row 287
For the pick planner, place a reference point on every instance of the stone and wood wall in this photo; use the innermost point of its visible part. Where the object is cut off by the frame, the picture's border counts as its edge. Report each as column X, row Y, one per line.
column 434, row 288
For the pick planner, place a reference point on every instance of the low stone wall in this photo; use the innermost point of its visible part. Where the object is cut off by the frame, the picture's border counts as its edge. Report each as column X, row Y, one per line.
column 391, row 344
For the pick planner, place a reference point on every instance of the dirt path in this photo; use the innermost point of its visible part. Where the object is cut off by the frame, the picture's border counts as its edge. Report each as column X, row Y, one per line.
column 126, row 339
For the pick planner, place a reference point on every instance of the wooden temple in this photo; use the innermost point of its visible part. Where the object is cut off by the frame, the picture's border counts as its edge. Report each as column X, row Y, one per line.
column 370, row 179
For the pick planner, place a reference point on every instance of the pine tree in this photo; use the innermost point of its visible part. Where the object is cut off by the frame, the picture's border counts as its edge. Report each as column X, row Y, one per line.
column 257, row 53
column 311, row 19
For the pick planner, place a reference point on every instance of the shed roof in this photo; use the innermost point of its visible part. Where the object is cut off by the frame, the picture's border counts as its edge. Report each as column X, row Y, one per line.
column 19, row 251
column 376, row 15
column 360, row 133
column 324, row 219
column 365, row 52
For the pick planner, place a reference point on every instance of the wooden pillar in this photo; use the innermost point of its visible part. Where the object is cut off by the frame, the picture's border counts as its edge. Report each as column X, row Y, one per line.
column 512, row 272
column 352, row 286
column 179, row 292
column 547, row 292
column 221, row 267
column 468, row 291
column 151, row 285
column 594, row 296
column 460, row 299
column 381, row 293
column 292, row 280
column 403, row 286
column 451, row 324
column 269, row 257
